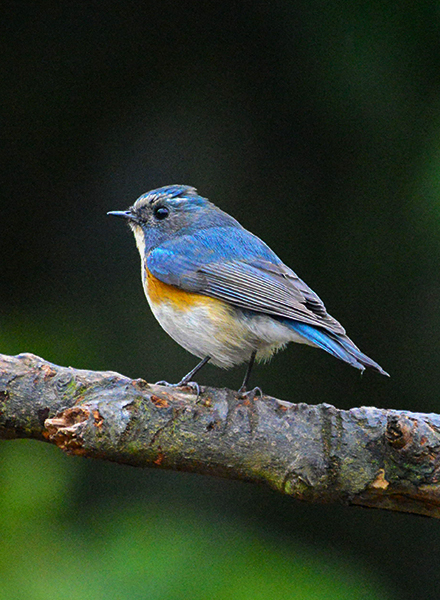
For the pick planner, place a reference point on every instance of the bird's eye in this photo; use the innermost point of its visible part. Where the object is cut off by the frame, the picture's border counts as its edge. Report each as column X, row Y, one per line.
column 161, row 212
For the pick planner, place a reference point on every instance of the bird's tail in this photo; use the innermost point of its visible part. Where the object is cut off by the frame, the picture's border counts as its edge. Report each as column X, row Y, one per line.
column 339, row 346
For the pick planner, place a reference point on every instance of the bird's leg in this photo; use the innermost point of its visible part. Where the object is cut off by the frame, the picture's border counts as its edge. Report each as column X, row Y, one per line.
column 186, row 381
column 244, row 385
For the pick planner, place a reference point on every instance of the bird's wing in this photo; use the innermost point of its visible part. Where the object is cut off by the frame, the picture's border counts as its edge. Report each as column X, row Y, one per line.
column 250, row 277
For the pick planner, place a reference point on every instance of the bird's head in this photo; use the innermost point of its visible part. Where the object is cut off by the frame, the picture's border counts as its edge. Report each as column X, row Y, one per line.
column 170, row 211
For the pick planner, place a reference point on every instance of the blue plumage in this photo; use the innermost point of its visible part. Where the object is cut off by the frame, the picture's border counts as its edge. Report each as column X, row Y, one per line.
column 338, row 346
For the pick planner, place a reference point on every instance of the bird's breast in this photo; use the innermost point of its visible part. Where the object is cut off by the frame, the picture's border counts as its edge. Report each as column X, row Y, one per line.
column 196, row 322
column 158, row 292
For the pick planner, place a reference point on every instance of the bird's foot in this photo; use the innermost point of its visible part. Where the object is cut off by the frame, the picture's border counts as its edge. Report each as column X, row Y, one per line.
column 193, row 385
column 249, row 395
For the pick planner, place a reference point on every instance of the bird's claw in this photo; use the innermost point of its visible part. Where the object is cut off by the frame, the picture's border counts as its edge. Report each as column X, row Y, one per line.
column 250, row 395
column 193, row 385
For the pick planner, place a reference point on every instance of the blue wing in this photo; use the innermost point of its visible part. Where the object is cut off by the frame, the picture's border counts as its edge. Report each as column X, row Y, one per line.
column 231, row 264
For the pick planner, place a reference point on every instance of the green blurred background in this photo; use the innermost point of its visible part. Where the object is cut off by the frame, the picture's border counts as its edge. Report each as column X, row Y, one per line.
column 317, row 125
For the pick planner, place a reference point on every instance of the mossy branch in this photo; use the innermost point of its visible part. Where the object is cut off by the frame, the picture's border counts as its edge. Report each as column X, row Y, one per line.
column 363, row 456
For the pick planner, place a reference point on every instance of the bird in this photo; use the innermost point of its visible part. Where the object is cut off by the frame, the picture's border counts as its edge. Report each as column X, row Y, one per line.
column 220, row 292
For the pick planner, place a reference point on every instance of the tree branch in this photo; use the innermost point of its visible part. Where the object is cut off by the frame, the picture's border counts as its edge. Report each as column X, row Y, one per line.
column 364, row 456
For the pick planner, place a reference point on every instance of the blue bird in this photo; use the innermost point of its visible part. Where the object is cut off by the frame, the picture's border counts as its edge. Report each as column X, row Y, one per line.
column 221, row 292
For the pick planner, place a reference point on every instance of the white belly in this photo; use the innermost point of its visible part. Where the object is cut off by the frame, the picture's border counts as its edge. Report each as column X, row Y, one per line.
column 227, row 335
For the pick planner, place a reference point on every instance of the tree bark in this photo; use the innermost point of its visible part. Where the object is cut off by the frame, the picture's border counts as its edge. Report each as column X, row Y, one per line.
column 364, row 456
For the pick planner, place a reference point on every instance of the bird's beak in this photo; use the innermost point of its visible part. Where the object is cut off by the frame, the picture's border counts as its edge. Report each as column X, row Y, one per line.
column 125, row 214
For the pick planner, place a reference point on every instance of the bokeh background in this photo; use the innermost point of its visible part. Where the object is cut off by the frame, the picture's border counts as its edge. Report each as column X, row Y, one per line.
column 317, row 125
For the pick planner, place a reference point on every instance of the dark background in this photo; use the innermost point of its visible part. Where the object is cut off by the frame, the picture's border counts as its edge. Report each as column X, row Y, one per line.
column 317, row 126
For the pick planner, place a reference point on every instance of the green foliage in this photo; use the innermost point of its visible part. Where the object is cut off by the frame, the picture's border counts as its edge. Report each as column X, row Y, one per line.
column 49, row 548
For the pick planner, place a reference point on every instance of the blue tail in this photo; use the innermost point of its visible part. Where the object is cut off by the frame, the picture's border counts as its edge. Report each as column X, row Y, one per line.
column 339, row 346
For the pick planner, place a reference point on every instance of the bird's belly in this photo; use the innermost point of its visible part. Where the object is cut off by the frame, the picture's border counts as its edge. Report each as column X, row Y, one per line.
column 208, row 327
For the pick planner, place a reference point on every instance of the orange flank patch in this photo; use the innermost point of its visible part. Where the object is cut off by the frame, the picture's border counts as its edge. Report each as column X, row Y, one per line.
column 159, row 292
